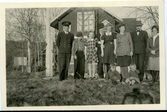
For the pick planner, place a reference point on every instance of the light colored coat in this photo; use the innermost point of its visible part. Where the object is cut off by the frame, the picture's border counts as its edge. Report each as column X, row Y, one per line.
column 124, row 44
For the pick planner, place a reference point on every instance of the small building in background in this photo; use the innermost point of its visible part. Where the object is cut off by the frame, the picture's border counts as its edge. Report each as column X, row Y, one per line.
column 85, row 19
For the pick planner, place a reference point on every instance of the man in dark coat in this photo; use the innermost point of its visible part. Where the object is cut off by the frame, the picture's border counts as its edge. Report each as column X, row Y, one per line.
column 100, row 58
column 64, row 44
column 139, row 38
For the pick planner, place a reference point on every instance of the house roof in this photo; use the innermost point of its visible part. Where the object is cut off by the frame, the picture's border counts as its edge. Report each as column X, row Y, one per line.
column 130, row 24
column 55, row 20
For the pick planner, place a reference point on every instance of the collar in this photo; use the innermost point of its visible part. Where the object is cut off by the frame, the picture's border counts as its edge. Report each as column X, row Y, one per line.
column 138, row 30
column 90, row 39
column 156, row 35
column 66, row 32
column 108, row 33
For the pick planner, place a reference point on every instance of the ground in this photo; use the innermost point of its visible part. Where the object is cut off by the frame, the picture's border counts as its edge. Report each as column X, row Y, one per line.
column 32, row 90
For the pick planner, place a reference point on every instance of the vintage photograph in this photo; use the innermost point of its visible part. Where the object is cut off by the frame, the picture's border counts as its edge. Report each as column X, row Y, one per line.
column 76, row 56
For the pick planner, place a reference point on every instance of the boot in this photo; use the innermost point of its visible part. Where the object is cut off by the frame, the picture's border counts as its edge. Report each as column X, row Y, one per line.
column 153, row 75
column 156, row 75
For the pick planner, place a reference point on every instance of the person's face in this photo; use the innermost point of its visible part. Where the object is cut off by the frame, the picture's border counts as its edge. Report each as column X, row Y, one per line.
column 112, row 68
column 154, row 31
column 122, row 29
column 91, row 35
column 65, row 28
column 101, row 31
column 79, row 37
column 138, row 27
column 109, row 28
column 133, row 67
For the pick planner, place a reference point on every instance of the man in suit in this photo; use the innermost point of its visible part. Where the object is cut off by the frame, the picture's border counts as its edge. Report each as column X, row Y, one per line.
column 64, row 44
column 139, row 38
column 100, row 58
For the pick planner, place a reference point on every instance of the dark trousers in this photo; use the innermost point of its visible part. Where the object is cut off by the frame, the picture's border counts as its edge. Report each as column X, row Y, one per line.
column 64, row 61
column 79, row 65
column 139, row 61
column 100, row 67
column 155, row 75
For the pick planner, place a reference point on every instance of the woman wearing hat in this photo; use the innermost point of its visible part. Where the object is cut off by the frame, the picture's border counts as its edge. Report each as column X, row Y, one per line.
column 108, row 42
column 153, row 48
column 78, row 49
column 124, row 50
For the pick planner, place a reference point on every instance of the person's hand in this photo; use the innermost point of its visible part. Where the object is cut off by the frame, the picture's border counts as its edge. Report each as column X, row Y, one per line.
column 114, row 51
column 153, row 52
column 131, row 53
column 102, row 54
column 85, row 57
column 75, row 57
column 99, row 42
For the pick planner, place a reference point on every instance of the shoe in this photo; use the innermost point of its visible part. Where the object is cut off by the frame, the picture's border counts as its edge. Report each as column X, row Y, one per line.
column 83, row 78
column 123, row 82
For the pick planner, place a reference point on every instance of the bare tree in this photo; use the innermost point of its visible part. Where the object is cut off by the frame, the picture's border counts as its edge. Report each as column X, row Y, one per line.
column 149, row 14
column 24, row 24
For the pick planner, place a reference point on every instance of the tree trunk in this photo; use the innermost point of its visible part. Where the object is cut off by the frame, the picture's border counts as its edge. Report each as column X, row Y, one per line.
column 29, row 58
column 49, row 47
column 22, row 56
column 35, row 58
column 38, row 49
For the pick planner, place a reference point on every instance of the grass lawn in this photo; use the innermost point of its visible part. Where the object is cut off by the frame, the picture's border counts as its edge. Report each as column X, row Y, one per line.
column 32, row 90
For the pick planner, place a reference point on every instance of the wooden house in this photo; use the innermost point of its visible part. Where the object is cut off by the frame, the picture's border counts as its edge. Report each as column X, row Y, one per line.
column 86, row 19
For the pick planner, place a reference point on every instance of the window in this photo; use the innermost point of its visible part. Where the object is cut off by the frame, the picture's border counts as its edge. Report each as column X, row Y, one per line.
column 85, row 21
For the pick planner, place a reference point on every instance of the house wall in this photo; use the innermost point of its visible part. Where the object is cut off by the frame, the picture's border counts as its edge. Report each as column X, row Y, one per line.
column 104, row 16
column 72, row 17
column 129, row 22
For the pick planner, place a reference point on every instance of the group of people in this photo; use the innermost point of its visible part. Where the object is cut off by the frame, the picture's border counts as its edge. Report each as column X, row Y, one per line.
column 107, row 50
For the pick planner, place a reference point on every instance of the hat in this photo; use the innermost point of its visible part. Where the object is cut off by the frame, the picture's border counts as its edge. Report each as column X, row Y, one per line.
column 66, row 23
column 79, row 34
column 109, row 24
column 139, row 23
column 112, row 64
column 119, row 25
column 100, row 25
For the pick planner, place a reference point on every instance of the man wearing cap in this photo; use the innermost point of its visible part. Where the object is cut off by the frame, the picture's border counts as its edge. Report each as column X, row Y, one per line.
column 64, row 43
column 100, row 58
column 139, row 38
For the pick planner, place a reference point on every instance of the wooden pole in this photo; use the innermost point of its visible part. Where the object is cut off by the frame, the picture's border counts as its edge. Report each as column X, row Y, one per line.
column 49, row 47
column 29, row 57
column 22, row 56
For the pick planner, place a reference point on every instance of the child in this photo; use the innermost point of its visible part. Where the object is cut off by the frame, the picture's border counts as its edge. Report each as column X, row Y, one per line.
column 113, row 75
column 91, row 55
column 133, row 75
column 78, row 49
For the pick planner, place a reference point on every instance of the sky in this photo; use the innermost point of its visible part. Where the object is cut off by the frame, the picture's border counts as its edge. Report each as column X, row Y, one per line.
column 122, row 12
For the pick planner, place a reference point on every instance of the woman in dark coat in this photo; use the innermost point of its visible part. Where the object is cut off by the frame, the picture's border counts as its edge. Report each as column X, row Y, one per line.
column 153, row 48
column 108, row 43
column 124, row 50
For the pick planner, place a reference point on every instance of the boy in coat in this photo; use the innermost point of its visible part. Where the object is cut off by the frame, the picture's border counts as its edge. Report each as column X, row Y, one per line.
column 113, row 75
